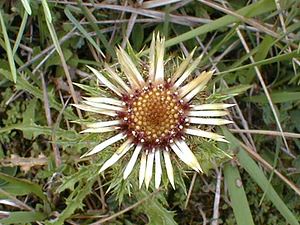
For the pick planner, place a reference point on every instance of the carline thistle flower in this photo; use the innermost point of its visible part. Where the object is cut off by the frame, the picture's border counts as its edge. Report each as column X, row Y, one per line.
column 153, row 114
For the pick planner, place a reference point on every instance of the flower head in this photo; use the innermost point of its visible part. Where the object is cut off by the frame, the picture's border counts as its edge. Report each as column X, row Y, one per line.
column 152, row 114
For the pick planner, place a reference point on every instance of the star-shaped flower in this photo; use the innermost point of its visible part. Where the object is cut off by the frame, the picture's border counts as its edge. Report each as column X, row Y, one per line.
column 151, row 114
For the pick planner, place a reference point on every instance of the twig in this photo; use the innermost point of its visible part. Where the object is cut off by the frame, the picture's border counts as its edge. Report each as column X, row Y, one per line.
column 158, row 3
column 262, row 82
column 22, row 46
column 177, row 19
column 21, row 204
column 203, row 216
column 190, row 190
column 252, row 22
column 102, row 195
column 183, row 20
column 217, row 198
column 266, row 132
column 179, row 5
column 126, row 209
column 120, row 21
column 265, row 164
column 130, row 25
column 214, row 65
column 46, row 50
column 43, row 61
column 49, row 121
column 280, row 14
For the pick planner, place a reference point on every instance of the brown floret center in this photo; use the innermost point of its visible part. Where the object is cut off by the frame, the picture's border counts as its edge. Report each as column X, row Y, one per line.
column 154, row 116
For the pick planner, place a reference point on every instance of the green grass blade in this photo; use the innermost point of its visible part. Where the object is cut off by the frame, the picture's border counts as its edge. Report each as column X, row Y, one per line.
column 278, row 58
column 275, row 162
column 23, row 218
column 47, row 11
column 8, row 49
column 25, row 184
column 53, row 34
column 252, row 10
column 255, row 9
column 262, row 51
column 51, row 28
column 92, row 21
column 26, row 6
column 20, row 33
column 219, row 45
column 61, row 55
column 277, row 97
column 82, row 30
column 237, row 194
column 259, row 177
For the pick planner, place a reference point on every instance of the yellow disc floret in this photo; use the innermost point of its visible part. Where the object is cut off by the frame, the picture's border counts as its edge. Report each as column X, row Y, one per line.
column 155, row 115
